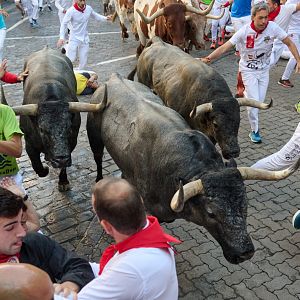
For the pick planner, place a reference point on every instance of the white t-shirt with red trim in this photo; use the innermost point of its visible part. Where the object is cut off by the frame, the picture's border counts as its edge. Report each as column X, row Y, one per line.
column 255, row 49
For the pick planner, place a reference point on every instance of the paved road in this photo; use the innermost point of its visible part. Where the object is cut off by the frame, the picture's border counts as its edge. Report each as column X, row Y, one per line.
column 273, row 272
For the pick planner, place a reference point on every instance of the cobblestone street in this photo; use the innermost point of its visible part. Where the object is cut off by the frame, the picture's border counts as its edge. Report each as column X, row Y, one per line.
column 203, row 272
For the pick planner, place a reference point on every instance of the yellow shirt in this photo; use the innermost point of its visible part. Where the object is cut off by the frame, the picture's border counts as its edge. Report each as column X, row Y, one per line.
column 81, row 82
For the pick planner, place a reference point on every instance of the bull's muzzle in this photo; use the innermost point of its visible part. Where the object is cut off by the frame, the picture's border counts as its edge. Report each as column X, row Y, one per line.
column 61, row 162
column 236, row 258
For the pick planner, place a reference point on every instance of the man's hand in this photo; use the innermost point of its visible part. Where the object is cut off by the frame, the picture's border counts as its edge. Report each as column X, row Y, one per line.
column 206, row 59
column 60, row 43
column 22, row 76
column 109, row 18
column 9, row 183
column 66, row 288
column 3, row 67
column 4, row 13
column 64, row 11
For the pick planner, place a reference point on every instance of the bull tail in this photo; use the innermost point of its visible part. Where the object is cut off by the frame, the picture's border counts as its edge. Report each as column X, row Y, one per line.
column 3, row 98
column 131, row 74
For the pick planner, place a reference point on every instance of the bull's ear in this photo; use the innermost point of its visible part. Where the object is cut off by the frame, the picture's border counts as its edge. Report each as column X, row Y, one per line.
column 3, row 99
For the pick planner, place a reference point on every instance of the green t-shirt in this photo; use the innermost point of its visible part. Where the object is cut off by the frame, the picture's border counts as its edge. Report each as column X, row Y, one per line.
column 207, row 2
column 8, row 127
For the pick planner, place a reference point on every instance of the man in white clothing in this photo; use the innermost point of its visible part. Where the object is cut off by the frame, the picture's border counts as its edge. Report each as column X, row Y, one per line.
column 294, row 33
column 78, row 16
column 62, row 7
column 281, row 15
column 141, row 264
column 255, row 41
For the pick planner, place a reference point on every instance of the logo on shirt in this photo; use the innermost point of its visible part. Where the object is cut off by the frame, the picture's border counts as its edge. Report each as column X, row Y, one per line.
column 267, row 39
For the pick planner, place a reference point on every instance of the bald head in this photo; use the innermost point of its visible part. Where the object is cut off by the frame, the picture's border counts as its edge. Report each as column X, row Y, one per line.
column 118, row 202
column 24, row 282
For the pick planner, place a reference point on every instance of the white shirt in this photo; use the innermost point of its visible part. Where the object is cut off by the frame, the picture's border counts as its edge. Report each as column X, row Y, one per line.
column 140, row 273
column 256, row 57
column 284, row 17
column 79, row 21
column 62, row 5
column 294, row 26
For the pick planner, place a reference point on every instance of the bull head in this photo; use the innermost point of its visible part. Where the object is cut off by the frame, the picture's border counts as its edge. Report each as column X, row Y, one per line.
column 194, row 188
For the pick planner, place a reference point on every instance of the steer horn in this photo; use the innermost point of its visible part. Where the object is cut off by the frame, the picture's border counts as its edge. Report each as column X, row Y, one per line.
column 184, row 193
column 3, row 98
column 89, row 107
column 148, row 20
column 209, row 16
column 254, row 103
column 199, row 11
column 200, row 109
column 258, row 174
column 26, row 109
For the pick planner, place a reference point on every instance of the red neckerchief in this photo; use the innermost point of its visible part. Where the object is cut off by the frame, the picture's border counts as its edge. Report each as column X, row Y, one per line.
column 257, row 30
column 9, row 258
column 150, row 237
column 273, row 14
column 78, row 8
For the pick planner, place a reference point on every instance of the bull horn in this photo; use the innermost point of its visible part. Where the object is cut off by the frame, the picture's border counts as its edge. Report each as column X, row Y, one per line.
column 89, row 107
column 26, row 109
column 184, row 193
column 114, row 16
column 3, row 98
column 209, row 16
column 148, row 20
column 258, row 174
column 201, row 109
column 254, row 103
column 200, row 11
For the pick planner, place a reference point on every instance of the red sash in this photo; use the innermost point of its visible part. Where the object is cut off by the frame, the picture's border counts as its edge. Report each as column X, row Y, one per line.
column 273, row 14
column 78, row 8
column 9, row 258
column 150, row 237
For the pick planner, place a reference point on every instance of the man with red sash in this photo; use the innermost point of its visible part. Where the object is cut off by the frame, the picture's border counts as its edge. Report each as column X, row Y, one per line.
column 255, row 41
column 141, row 264
column 78, row 16
column 16, row 245
column 281, row 15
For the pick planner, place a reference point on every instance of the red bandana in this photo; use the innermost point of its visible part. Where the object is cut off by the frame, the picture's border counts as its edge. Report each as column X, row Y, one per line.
column 257, row 30
column 78, row 8
column 9, row 258
column 150, row 237
column 273, row 14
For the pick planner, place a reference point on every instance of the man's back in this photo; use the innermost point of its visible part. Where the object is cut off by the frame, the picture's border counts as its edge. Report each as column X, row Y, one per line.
column 140, row 273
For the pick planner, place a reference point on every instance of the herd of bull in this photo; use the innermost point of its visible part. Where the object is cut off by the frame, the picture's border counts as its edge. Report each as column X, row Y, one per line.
column 160, row 131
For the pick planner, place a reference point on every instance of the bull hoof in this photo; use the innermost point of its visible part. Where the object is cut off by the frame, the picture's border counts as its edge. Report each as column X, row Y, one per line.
column 64, row 187
column 44, row 172
column 125, row 35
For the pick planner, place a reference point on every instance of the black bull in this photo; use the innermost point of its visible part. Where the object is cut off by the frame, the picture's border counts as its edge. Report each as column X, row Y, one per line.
column 156, row 150
column 50, row 114
column 184, row 83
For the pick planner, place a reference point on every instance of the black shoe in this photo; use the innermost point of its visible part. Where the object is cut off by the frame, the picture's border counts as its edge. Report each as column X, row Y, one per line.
column 49, row 7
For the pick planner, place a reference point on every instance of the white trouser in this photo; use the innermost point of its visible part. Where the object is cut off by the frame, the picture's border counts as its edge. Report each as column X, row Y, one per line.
column 28, row 8
column 238, row 23
column 256, row 85
column 292, row 61
column 35, row 9
column 216, row 11
column 83, row 49
column 2, row 38
column 40, row 3
column 285, row 157
column 277, row 50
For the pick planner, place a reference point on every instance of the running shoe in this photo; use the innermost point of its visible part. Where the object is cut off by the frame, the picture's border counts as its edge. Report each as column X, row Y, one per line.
column 285, row 82
column 255, row 137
